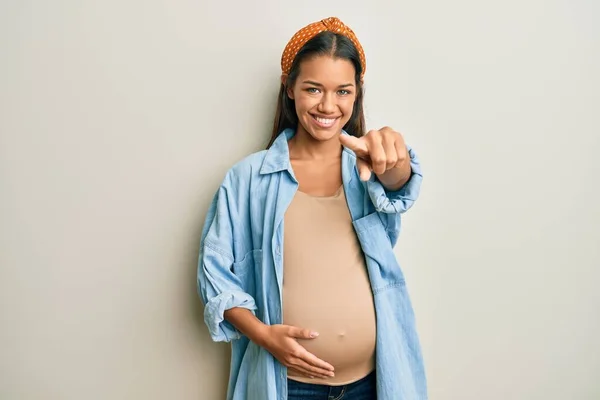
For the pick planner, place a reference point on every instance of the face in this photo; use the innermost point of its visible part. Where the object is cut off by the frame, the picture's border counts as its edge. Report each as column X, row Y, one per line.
column 324, row 94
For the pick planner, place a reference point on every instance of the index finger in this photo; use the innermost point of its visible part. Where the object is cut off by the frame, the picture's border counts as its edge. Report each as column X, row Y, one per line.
column 316, row 361
column 355, row 144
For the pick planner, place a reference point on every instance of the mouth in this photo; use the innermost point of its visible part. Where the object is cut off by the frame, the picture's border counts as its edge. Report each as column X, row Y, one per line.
column 324, row 122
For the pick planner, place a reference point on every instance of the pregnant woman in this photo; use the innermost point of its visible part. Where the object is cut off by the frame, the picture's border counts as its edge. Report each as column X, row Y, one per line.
column 296, row 265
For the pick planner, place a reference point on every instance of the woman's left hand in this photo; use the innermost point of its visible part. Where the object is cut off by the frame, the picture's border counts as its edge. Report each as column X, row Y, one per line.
column 383, row 152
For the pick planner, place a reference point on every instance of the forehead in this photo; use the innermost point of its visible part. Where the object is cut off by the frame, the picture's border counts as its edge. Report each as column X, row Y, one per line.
column 326, row 69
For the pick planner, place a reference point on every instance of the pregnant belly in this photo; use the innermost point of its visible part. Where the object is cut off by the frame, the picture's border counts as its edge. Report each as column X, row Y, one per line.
column 347, row 335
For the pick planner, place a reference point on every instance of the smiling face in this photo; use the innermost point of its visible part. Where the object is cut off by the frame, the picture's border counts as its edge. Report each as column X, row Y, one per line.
column 324, row 94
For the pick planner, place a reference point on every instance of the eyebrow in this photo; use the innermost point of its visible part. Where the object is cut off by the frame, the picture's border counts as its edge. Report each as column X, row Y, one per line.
column 318, row 84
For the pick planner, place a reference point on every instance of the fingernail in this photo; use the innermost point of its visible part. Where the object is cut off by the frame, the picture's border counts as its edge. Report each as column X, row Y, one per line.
column 314, row 334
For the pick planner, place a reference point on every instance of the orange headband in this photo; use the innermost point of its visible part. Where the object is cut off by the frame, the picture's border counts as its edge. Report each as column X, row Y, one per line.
column 331, row 24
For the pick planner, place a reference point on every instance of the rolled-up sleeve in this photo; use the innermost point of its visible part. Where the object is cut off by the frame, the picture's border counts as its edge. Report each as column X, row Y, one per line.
column 390, row 204
column 219, row 288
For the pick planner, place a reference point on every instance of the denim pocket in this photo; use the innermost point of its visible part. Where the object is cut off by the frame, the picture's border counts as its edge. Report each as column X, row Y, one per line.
column 246, row 269
column 384, row 270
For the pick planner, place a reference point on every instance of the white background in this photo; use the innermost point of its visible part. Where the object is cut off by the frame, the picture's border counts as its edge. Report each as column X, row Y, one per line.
column 118, row 119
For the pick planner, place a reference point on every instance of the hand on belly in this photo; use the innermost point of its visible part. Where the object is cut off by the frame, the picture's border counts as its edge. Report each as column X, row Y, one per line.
column 347, row 337
column 344, row 348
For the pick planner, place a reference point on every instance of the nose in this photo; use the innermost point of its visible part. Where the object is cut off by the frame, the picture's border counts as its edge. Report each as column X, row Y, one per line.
column 327, row 104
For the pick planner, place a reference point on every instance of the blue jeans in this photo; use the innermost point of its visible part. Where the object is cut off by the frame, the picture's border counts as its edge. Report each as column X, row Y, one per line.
column 363, row 389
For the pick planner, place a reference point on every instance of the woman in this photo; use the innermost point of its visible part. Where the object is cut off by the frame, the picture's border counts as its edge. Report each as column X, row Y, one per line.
column 296, row 265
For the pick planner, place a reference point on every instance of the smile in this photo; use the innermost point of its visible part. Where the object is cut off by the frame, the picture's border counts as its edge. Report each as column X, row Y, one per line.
column 324, row 122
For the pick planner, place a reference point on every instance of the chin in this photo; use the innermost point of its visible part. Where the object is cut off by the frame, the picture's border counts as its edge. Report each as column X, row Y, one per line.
column 322, row 135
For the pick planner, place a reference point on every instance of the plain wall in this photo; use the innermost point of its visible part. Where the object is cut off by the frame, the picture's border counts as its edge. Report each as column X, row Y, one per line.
column 118, row 119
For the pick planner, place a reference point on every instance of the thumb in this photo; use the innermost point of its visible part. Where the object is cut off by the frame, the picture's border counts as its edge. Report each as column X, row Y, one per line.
column 300, row 333
column 364, row 169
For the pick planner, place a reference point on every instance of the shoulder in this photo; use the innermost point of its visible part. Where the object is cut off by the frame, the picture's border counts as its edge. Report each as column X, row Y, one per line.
column 246, row 169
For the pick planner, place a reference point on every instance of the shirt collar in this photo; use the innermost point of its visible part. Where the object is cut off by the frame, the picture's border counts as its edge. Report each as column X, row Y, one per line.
column 278, row 155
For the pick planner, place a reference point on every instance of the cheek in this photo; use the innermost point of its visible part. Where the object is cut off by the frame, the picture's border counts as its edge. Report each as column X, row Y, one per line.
column 347, row 107
column 304, row 103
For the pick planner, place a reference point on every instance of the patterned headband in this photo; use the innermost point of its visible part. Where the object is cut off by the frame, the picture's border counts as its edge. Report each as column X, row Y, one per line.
column 299, row 39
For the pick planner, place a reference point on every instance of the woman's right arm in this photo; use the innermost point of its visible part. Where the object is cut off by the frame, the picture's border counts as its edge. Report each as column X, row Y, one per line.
column 229, row 310
column 280, row 341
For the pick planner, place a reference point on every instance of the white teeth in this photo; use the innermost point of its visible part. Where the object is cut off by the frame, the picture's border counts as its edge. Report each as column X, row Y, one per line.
column 325, row 121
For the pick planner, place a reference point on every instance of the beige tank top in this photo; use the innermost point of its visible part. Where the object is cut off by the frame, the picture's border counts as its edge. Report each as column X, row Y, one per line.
column 326, row 287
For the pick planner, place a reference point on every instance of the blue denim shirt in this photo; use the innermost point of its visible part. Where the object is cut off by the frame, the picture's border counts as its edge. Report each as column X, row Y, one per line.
column 241, row 265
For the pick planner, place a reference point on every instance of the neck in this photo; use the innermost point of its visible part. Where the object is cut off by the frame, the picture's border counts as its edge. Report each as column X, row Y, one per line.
column 304, row 146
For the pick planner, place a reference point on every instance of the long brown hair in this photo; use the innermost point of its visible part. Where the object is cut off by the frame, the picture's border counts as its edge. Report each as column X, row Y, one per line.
column 325, row 43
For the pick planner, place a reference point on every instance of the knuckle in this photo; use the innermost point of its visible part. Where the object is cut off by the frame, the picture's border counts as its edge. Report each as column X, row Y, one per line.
column 373, row 136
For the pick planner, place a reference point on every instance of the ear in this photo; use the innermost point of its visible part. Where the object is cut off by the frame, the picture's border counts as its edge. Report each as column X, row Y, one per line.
column 288, row 90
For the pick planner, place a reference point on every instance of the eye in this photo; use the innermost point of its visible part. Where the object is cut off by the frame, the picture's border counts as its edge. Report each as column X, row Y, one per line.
column 344, row 92
column 312, row 90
